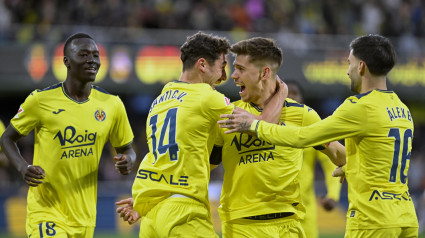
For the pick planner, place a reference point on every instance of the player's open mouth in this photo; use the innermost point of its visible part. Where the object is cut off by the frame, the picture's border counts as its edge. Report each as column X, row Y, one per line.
column 242, row 89
column 92, row 70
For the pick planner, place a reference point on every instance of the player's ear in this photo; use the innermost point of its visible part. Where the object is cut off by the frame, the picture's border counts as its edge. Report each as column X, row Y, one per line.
column 202, row 64
column 361, row 67
column 66, row 62
column 265, row 73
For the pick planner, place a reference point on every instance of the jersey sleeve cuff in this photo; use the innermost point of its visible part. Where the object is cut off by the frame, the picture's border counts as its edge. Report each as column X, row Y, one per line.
column 254, row 126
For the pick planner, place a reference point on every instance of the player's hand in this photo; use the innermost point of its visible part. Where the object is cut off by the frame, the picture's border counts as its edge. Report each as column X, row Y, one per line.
column 328, row 203
column 239, row 121
column 123, row 163
column 33, row 175
column 339, row 172
column 281, row 88
column 127, row 212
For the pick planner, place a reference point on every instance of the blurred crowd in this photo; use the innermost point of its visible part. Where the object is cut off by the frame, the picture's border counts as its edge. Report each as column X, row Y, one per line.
column 388, row 17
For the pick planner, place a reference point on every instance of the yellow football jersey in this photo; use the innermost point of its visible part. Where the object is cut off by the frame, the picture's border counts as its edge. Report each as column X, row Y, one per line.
column 261, row 178
column 69, row 139
column 308, row 195
column 180, row 128
column 378, row 129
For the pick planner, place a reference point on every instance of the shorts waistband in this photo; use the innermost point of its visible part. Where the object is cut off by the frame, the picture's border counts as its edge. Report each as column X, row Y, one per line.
column 270, row 216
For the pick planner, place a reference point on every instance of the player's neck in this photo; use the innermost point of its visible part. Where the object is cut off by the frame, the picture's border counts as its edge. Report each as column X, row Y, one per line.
column 372, row 83
column 266, row 94
column 77, row 90
column 190, row 77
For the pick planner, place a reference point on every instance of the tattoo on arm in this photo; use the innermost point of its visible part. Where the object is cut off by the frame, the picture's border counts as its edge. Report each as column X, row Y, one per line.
column 245, row 126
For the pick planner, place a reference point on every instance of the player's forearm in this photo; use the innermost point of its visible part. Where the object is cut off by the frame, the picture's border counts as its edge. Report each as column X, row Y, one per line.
column 273, row 109
column 319, row 133
column 11, row 150
column 276, row 134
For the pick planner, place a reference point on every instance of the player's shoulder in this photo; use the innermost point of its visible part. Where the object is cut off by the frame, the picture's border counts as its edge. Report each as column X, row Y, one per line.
column 103, row 94
column 102, row 91
column 104, row 97
column 370, row 96
column 291, row 104
column 48, row 90
column 210, row 95
column 359, row 98
column 45, row 94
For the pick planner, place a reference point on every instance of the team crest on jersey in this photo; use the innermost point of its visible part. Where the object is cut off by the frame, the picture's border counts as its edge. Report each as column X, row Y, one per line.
column 100, row 115
column 19, row 112
column 227, row 101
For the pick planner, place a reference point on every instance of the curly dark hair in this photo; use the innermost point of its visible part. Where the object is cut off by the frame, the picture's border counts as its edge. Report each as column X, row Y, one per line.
column 201, row 45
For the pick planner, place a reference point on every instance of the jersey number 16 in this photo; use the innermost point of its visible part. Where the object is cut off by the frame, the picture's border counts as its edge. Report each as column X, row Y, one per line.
column 405, row 155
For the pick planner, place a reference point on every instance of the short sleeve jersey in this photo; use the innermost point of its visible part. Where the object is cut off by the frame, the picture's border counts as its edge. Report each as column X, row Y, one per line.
column 260, row 177
column 378, row 131
column 180, row 129
column 69, row 139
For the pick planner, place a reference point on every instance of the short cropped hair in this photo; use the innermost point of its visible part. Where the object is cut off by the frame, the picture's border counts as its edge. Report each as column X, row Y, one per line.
column 73, row 37
column 376, row 51
column 260, row 50
column 201, row 45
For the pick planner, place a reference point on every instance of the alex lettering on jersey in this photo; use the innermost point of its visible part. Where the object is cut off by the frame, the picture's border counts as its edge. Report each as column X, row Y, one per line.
column 399, row 113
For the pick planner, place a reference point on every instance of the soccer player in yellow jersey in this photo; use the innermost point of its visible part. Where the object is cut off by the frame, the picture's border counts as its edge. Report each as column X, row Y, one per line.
column 378, row 131
column 170, row 191
column 72, row 121
column 260, row 195
column 306, row 176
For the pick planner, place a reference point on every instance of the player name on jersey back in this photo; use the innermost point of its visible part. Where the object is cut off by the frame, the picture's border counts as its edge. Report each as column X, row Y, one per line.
column 168, row 95
column 399, row 113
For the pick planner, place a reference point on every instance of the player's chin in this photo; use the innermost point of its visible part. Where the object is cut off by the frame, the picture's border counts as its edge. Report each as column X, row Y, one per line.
column 220, row 81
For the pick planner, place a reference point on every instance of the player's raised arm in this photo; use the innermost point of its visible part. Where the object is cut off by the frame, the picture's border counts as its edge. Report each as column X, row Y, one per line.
column 32, row 175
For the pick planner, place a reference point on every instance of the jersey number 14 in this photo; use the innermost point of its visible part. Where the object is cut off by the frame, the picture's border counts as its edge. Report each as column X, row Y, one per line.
column 170, row 126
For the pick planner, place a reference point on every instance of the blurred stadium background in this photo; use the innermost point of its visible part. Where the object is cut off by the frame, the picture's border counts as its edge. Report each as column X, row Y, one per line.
column 139, row 46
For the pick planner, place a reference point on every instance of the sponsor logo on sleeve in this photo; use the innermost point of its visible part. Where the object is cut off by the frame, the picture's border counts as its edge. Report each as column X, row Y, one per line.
column 19, row 112
column 227, row 101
